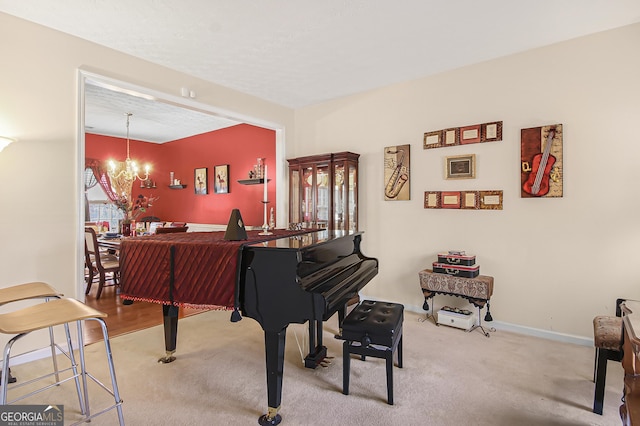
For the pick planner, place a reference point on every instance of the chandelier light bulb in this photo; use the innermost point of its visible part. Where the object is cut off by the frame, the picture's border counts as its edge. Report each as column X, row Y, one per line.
column 130, row 171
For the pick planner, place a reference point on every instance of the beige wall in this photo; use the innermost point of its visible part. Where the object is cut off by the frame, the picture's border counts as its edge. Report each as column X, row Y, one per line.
column 39, row 183
column 556, row 262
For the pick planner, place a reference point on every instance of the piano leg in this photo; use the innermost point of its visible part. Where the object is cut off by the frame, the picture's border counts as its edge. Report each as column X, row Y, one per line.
column 341, row 316
column 170, row 314
column 274, row 349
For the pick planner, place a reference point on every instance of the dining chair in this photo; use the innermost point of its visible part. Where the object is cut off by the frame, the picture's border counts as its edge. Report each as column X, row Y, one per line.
column 98, row 261
column 607, row 339
column 149, row 219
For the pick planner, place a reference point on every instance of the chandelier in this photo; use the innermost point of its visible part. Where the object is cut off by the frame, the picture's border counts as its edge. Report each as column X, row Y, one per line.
column 123, row 174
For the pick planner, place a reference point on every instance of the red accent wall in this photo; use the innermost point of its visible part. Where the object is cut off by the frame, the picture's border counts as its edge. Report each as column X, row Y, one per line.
column 238, row 146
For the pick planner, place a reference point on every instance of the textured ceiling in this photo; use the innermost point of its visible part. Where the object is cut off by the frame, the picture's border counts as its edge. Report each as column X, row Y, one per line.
column 152, row 121
column 300, row 52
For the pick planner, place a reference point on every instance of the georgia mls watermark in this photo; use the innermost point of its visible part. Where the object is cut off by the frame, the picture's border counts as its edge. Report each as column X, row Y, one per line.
column 31, row 415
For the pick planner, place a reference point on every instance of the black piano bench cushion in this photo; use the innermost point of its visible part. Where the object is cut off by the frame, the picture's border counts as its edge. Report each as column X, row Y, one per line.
column 378, row 322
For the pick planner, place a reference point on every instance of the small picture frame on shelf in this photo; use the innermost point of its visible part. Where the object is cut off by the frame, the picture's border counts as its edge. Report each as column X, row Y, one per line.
column 221, row 179
column 460, row 167
column 200, row 181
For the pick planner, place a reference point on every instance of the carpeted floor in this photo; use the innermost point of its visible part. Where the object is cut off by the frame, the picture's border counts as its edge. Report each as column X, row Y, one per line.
column 449, row 378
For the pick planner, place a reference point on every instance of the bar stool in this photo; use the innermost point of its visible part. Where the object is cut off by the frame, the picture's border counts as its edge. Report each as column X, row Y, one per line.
column 33, row 290
column 59, row 312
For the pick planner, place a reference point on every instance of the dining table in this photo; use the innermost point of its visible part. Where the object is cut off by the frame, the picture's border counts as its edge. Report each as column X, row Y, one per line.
column 110, row 243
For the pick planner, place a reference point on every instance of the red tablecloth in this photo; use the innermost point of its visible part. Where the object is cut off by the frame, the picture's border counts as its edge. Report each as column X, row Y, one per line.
column 204, row 267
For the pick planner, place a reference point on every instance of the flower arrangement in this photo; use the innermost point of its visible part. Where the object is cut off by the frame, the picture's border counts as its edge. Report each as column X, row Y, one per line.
column 132, row 210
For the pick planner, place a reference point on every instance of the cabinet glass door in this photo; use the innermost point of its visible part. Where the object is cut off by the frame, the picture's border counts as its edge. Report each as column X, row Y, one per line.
column 322, row 196
column 294, row 199
column 308, row 209
column 339, row 197
column 352, row 197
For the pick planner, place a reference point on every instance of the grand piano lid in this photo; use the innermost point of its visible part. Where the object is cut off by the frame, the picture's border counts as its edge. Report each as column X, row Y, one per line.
column 296, row 242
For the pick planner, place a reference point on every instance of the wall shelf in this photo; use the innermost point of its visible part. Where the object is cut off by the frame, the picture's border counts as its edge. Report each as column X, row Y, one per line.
column 177, row 186
column 252, row 181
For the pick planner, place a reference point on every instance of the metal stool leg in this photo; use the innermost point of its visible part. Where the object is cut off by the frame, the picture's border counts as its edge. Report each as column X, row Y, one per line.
column 114, row 384
column 74, row 366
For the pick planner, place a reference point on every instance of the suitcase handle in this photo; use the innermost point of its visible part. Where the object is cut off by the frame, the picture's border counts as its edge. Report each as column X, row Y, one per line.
column 453, row 260
column 453, row 271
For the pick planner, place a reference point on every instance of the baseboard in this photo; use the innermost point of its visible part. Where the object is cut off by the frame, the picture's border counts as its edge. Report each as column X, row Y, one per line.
column 35, row 355
column 521, row 329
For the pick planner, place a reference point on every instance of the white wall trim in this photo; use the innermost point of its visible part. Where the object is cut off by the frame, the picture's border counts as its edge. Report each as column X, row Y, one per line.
column 37, row 355
column 521, row 329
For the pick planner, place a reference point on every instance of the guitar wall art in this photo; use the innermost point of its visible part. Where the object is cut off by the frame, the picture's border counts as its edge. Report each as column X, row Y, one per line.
column 541, row 162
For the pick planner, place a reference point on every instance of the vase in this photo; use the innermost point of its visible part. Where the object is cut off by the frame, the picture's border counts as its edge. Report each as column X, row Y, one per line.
column 126, row 229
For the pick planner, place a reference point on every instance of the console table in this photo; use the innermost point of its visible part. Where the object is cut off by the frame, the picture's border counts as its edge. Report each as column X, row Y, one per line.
column 477, row 291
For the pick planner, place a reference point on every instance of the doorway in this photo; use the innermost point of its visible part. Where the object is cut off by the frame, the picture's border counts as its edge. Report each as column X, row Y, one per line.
column 128, row 318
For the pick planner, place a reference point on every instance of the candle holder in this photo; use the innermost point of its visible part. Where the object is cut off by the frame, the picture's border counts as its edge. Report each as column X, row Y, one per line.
column 265, row 225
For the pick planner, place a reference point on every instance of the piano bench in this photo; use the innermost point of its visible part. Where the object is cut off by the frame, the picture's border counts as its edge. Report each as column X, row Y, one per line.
column 373, row 329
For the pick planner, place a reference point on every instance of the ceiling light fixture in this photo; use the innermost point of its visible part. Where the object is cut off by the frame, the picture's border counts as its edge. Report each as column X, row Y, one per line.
column 123, row 174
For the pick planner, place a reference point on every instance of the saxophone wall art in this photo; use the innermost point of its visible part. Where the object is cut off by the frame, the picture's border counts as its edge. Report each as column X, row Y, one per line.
column 396, row 173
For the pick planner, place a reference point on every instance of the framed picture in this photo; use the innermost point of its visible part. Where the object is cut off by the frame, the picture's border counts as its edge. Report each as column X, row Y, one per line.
column 200, row 181
column 469, row 199
column 432, row 139
column 221, row 179
column 491, row 200
column 492, row 131
column 460, row 167
column 470, row 134
column 432, row 199
column 450, row 200
column 396, row 173
column 451, row 137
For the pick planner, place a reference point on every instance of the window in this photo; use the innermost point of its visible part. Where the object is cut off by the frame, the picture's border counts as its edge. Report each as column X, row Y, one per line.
column 101, row 209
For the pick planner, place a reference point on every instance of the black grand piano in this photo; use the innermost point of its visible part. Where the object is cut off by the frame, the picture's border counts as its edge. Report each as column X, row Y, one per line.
column 288, row 277
column 294, row 280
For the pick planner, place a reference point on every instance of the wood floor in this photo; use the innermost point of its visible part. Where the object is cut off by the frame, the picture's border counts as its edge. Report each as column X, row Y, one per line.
column 123, row 319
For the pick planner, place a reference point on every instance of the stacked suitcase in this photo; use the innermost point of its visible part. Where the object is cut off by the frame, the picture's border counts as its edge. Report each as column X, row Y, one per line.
column 457, row 263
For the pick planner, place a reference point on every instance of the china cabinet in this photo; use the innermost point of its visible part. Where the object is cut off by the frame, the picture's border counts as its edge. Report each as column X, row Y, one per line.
column 323, row 190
